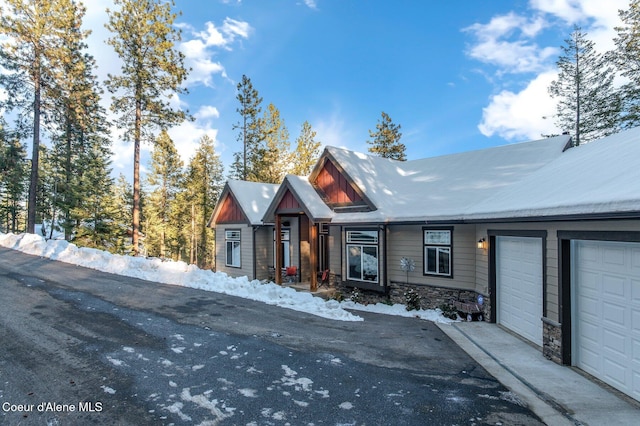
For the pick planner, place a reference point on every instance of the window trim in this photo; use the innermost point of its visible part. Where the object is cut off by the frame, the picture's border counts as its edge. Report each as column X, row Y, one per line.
column 361, row 244
column 438, row 247
column 233, row 237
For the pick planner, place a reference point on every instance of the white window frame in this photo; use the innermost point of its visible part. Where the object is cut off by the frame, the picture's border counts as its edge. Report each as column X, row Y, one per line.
column 359, row 240
column 440, row 243
column 233, row 246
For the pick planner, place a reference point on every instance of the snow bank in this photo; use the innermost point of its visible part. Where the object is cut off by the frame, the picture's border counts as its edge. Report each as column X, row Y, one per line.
column 182, row 274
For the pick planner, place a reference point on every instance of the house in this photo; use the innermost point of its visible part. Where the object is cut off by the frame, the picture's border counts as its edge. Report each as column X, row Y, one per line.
column 547, row 233
column 243, row 243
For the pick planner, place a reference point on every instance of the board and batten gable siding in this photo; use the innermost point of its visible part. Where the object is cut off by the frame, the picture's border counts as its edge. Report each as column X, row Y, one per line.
column 408, row 241
column 336, row 187
column 552, row 287
column 246, row 250
column 231, row 212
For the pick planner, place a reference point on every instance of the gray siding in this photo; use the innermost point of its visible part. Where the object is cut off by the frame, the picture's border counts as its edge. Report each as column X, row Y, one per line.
column 335, row 251
column 246, row 251
column 552, row 228
column 407, row 241
column 264, row 251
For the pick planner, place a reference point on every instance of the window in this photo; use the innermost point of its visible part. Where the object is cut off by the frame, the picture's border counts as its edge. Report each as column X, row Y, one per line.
column 437, row 252
column 285, row 247
column 232, row 239
column 362, row 255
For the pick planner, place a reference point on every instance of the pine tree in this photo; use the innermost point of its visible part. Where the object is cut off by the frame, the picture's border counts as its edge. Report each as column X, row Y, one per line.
column 386, row 140
column 35, row 32
column 203, row 185
column 275, row 159
column 153, row 69
column 82, row 140
column 164, row 178
column 96, row 227
column 588, row 105
column 250, row 127
column 236, row 170
column 13, row 180
column 627, row 59
column 120, row 211
column 307, row 151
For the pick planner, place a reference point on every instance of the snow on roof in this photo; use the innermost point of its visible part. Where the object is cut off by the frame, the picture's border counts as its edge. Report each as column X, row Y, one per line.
column 254, row 197
column 441, row 187
column 601, row 177
column 309, row 197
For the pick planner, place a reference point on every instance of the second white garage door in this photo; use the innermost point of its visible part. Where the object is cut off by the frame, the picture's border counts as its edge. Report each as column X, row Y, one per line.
column 519, row 286
column 606, row 317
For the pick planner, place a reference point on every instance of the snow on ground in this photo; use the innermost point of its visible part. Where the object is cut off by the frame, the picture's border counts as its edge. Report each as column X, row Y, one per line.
column 182, row 274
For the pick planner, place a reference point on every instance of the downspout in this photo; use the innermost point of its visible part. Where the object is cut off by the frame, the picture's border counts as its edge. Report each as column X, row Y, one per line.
column 255, row 229
column 386, row 259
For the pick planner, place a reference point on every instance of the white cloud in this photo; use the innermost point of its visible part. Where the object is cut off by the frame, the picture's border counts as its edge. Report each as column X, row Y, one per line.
column 207, row 111
column 510, row 42
column 200, row 50
column 507, row 42
column 521, row 115
column 311, row 4
column 597, row 18
column 186, row 137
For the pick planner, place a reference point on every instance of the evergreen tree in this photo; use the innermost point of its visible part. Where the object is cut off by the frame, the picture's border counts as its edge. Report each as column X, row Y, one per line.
column 13, row 181
column 627, row 59
column 121, row 213
column 203, row 186
column 153, row 69
column 386, row 140
column 164, row 178
column 236, row 171
column 96, row 228
column 34, row 32
column 588, row 104
column 250, row 127
column 307, row 151
column 82, row 141
column 275, row 159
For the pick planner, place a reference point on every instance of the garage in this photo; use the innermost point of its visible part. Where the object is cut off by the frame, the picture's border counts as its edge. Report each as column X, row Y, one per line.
column 606, row 314
column 519, row 286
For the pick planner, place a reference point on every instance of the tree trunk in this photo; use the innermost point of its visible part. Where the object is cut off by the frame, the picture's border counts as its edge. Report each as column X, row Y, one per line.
column 33, row 183
column 136, row 178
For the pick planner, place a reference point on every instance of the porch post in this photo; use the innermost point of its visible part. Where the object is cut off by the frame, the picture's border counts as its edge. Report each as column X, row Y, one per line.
column 277, row 248
column 313, row 255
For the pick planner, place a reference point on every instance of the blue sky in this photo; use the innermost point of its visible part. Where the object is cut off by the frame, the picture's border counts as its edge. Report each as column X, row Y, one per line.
column 456, row 75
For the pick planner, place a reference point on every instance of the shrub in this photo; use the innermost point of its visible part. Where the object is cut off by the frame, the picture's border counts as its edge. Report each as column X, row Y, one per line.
column 412, row 300
column 356, row 296
column 448, row 311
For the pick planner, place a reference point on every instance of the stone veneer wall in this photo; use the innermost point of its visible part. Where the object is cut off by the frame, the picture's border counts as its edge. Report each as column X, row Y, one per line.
column 552, row 340
column 430, row 297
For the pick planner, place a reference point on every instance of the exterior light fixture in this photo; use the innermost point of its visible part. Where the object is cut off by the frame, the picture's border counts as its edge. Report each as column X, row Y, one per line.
column 482, row 243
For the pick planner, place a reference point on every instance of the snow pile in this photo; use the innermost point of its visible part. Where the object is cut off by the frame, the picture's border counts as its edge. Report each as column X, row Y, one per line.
column 400, row 310
column 182, row 274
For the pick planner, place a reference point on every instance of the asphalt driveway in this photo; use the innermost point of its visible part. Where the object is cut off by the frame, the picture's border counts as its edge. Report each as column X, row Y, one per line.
column 80, row 346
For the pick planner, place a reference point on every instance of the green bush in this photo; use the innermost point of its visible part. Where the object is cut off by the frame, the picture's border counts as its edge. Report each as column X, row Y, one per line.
column 448, row 311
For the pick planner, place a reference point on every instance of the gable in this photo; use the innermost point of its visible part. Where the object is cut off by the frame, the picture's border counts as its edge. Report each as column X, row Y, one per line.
column 231, row 212
column 335, row 188
column 288, row 202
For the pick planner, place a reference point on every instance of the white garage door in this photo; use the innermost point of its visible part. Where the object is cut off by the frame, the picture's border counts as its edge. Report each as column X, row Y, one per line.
column 519, row 286
column 606, row 317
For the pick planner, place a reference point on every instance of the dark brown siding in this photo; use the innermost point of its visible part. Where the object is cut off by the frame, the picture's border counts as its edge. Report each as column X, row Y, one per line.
column 335, row 186
column 230, row 212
